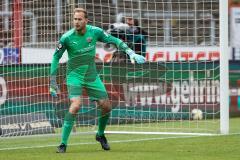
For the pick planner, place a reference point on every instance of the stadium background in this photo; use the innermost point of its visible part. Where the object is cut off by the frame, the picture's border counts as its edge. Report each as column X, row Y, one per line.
column 47, row 21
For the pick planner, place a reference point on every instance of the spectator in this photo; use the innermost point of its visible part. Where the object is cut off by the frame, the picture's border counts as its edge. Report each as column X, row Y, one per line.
column 137, row 36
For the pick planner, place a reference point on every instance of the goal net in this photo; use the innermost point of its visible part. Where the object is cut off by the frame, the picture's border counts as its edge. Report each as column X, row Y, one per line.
column 176, row 91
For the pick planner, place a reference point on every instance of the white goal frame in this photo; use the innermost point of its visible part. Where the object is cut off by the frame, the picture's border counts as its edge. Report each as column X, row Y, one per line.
column 224, row 67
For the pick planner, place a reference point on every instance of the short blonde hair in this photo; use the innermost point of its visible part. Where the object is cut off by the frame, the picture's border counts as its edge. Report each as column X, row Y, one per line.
column 78, row 10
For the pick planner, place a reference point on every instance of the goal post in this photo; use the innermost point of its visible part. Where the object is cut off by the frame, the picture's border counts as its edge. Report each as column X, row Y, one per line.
column 182, row 89
column 224, row 68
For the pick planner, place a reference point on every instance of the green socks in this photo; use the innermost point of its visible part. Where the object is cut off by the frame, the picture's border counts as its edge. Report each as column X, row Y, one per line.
column 102, row 122
column 69, row 122
column 67, row 127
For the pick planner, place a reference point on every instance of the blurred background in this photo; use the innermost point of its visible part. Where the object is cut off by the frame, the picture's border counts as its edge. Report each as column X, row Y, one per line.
column 180, row 36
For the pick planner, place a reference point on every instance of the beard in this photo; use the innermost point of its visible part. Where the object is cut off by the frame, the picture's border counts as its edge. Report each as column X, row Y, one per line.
column 78, row 27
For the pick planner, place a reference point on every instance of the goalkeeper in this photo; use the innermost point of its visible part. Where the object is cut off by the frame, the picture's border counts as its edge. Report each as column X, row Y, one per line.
column 80, row 43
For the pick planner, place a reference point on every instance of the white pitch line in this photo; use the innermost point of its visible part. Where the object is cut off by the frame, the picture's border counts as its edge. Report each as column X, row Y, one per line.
column 119, row 141
column 162, row 133
column 90, row 143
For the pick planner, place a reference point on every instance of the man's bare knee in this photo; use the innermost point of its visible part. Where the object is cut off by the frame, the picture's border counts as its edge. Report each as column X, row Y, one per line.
column 75, row 105
column 105, row 105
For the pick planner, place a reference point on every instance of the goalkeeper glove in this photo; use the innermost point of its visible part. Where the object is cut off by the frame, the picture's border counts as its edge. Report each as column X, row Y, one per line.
column 54, row 90
column 135, row 57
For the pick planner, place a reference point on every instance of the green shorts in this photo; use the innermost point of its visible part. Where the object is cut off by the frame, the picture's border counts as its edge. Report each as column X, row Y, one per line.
column 95, row 89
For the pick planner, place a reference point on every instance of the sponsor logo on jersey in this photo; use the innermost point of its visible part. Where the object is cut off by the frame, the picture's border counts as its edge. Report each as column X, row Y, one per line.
column 87, row 49
column 89, row 39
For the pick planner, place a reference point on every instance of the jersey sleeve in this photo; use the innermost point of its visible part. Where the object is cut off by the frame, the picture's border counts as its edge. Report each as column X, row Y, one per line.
column 61, row 47
column 107, row 38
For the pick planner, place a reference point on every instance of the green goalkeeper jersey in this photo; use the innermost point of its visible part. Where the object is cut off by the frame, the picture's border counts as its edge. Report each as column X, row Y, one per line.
column 81, row 51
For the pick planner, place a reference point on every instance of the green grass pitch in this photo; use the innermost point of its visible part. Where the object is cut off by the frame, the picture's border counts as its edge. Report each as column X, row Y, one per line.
column 132, row 147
